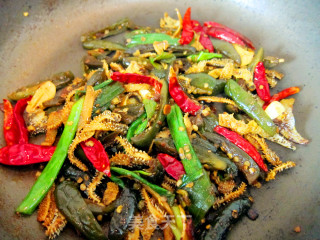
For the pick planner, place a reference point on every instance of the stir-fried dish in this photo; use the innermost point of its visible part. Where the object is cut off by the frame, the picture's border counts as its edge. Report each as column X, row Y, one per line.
column 161, row 138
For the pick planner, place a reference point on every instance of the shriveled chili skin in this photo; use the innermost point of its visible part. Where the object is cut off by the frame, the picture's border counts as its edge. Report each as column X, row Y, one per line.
column 25, row 154
column 281, row 95
column 172, row 166
column 10, row 129
column 187, row 29
column 241, row 157
column 75, row 209
column 204, row 38
column 211, row 24
column 97, row 155
column 180, row 97
column 224, row 35
column 242, row 143
column 261, row 82
column 136, row 78
column 248, row 104
column 18, row 118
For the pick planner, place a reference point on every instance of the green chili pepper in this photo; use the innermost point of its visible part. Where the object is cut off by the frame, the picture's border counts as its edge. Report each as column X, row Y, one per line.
column 226, row 49
column 150, row 107
column 75, row 209
column 177, row 217
column 163, row 57
column 108, row 93
column 141, row 127
column 49, row 174
column 60, row 80
column 207, row 83
column 97, row 78
column 150, row 38
column 206, row 154
column 181, row 50
column 132, row 33
column 104, row 44
column 160, row 190
column 120, row 26
column 117, row 181
column 144, row 139
column 133, row 127
column 202, row 192
column 203, row 56
column 209, row 123
column 258, row 57
column 249, row 105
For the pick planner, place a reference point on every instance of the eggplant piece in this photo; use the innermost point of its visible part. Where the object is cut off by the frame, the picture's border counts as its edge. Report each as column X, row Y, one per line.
column 126, row 207
column 97, row 209
column 206, row 154
column 143, row 48
column 205, row 82
column 130, row 112
column 229, row 215
column 60, row 96
column 74, row 208
column 108, row 93
column 97, row 77
column 60, row 80
column 166, row 145
column 209, row 123
column 243, row 161
column 182, row 50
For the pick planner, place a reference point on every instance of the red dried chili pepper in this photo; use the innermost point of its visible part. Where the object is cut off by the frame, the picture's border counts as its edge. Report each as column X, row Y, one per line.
column 9, row 126
column 246, row 40
column 172, row 166
column 222, row 34
column 204, row 38
column 14, row 127
column 18, row 118
column 180, row 97
column 97, row 155
column 187, row 30
column 243, row 144
column 25, row 154
column 281, row 95
column 261, row 82
column 136, row 78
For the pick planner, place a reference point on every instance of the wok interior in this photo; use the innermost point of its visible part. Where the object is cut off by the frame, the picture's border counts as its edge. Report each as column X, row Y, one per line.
column 47, row 41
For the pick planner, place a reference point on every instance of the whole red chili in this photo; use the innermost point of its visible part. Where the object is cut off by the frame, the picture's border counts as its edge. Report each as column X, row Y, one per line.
column 281, row 95
column 180, row 97
column 187, row 30
column 18, row 118
column 172, row 166
column 9, row 126
column 204, row 38
column 242, row 144
column 261, row 82
column 97, row 155
column 25, row 154
column 235, row 33
column 136, row 78
column 222, row 34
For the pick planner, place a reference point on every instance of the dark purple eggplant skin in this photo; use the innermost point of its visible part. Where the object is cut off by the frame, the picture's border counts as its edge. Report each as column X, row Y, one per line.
column 120, row 221
column 227, row 216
